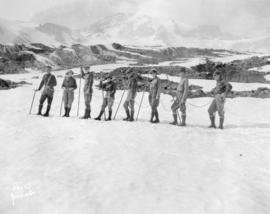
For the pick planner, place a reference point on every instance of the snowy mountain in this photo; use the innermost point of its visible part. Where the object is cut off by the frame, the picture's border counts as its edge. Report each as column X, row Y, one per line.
column 130, row 29
column 26, row 32
column 136, row 29
column 21, row 32
column 146, row 29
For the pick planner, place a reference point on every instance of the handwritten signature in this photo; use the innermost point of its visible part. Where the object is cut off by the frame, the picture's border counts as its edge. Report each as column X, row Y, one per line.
column 21, row 191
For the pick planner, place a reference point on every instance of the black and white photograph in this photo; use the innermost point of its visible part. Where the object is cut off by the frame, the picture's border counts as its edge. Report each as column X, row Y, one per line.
column 134, row 107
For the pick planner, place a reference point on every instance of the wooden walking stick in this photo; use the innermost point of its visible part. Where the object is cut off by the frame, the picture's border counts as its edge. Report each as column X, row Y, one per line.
column 140, row 106
column 119, row 104
column 30, row 111
column 142, row 99
column 103, row 101
column 177, row 111
column 78, row 110
column 61, row 106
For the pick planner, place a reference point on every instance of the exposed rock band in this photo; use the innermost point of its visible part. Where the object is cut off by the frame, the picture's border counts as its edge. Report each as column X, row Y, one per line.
column 108, row 85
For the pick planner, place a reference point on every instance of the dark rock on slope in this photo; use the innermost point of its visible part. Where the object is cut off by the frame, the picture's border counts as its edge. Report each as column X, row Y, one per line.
column 7, row 84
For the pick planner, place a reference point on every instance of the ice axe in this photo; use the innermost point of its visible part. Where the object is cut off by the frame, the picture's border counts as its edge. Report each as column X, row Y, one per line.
column 33, row 99
column 79, row 98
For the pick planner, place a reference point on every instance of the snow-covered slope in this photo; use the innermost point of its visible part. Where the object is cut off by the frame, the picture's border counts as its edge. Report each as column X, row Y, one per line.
column 25, row 32
column 67, row 166
column 144, row 29
column 22, row 32
column 135, row 29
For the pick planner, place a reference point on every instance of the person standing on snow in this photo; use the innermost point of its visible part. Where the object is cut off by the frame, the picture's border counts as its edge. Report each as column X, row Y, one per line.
column 49, row 82
column 132, row 92
column 69, row 85
column 181, row 97
column 88, row 90
column 154, row 96
column 220, row 92
column 110, row 88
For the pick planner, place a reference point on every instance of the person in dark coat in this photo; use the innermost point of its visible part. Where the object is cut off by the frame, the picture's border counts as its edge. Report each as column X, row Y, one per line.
column 181, row 97
column 132, row 92
column 88, row 90
column 48, row 83
column 109, row 86
column 220, row 92
column 69, row 85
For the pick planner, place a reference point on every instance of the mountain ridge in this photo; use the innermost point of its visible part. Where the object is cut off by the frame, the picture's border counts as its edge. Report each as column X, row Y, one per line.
column 127, row 28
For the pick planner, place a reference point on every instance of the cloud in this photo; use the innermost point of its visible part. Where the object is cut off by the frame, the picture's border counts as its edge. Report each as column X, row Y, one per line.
column 244, row 17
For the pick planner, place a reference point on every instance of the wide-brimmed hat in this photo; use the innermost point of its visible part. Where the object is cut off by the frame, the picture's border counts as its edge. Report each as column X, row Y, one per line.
column 70, row 72
column 133, row 75
column 129, row 70
column 153, row 71
column 217, row 73
column 48, row 67
column 183, row 70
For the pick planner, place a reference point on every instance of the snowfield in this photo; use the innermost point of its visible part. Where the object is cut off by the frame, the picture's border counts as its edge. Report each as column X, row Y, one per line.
column 66, row 165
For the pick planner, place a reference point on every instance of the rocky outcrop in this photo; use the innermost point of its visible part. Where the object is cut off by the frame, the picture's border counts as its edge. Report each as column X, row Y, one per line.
column 235, row 71
column 7, row 84
column 14, row 59
column 171, row 53
column 169, row 87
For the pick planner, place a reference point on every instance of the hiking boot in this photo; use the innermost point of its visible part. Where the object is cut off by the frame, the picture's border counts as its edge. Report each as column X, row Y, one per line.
column 152, row 117
column 40, row 110
column 100, row 115
column 213, row 125
column 86, row 114
column 68, row 111
column 174, row 120
column 128, row 116
column 131, row 119
column 47, row 111
column 183, row 122
column 110, row 116
column 157, row 118
column 221, row 121
column 65, row 112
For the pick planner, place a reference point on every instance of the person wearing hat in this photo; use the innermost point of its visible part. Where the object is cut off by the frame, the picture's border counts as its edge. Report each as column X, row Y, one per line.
column 133, row 79
column 154, row 96
column 88, row 90
column 181, row 97
column 48, row 82
column 220, row 92
column 110, row 88
column 69, row 85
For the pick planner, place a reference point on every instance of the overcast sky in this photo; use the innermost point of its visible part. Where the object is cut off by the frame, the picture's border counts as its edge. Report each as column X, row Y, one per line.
column 237, row 16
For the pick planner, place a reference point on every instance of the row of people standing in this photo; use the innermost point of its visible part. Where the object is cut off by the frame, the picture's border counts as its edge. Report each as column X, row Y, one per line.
column 108, row 85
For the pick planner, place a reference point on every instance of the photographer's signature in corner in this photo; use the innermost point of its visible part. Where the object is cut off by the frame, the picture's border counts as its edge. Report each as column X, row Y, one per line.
column 21, row 191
